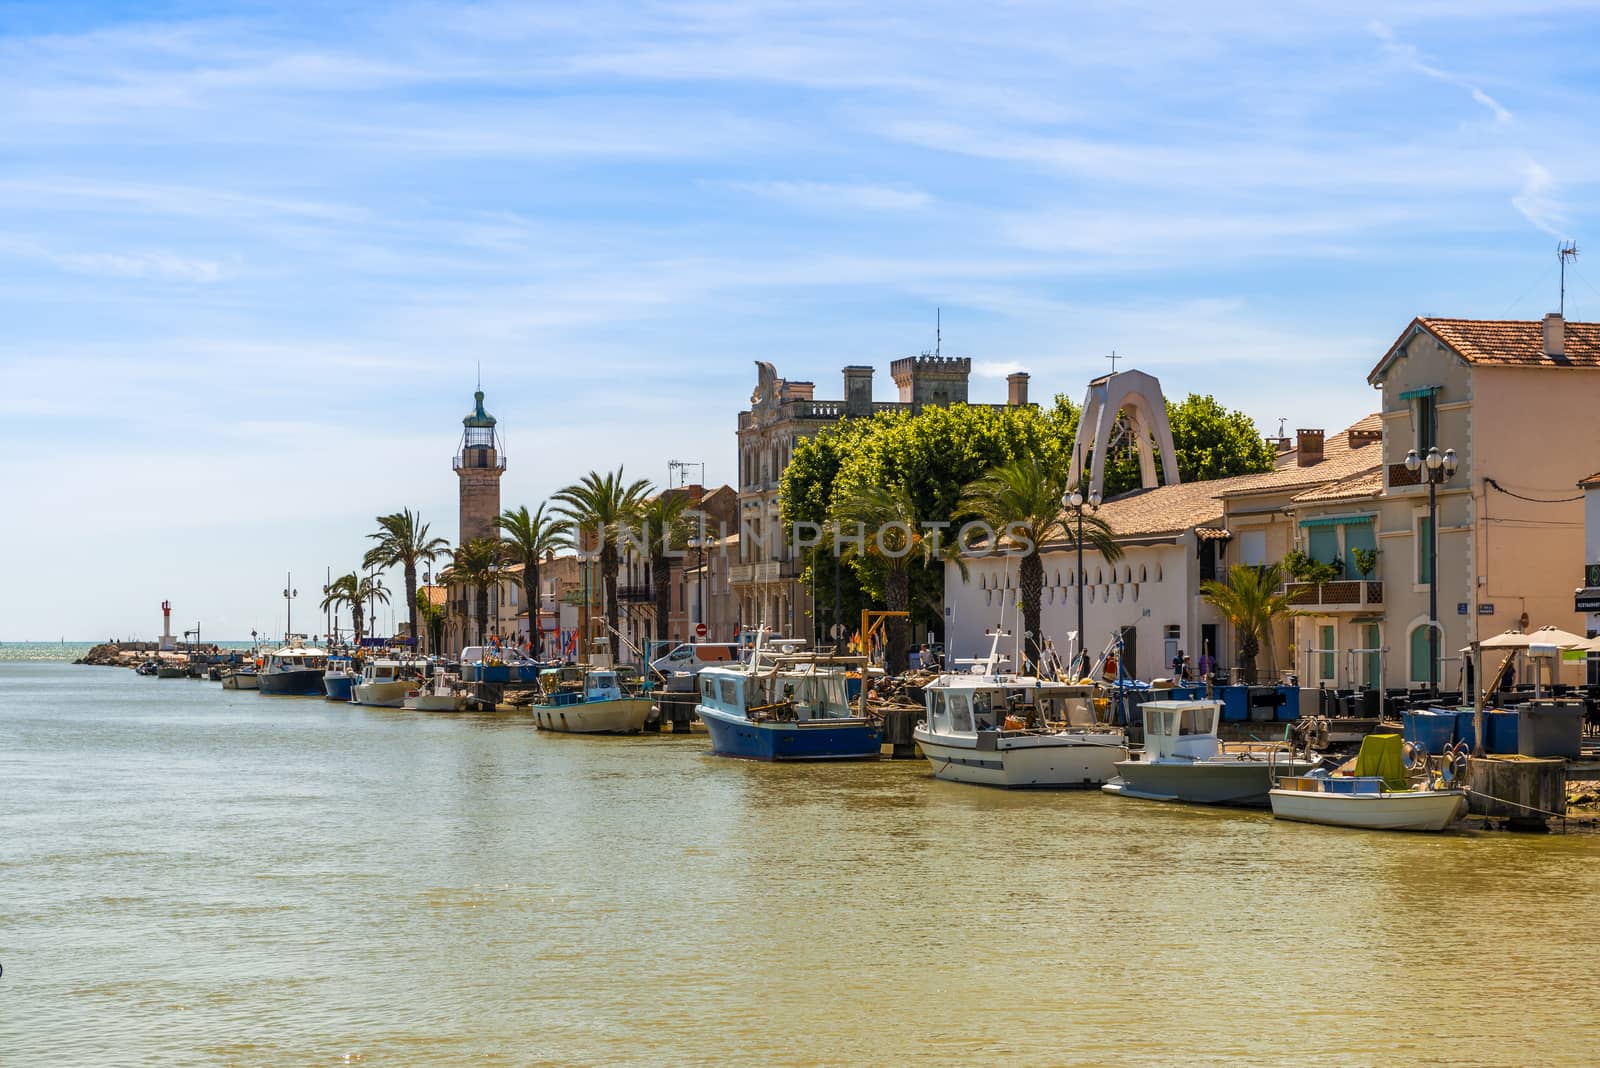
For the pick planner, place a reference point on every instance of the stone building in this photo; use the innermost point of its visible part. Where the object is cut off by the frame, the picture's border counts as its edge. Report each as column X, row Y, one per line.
column 765, row 577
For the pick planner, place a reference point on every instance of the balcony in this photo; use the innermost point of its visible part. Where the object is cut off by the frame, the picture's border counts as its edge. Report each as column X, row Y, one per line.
column 635, row 594
column 1339, row 595
column 765, row 571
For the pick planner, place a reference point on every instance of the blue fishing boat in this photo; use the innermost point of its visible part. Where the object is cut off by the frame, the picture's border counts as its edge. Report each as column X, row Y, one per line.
column 788, row 706
column 340, row 678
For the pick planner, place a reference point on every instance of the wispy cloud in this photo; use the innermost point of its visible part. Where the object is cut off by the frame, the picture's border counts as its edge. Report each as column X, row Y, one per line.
column 825, row 196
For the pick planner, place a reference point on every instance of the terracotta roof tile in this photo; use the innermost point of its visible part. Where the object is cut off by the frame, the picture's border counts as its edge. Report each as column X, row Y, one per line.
column 1592, row 480
column 1506, row 342
column 1364, row 484
column 1339, row 461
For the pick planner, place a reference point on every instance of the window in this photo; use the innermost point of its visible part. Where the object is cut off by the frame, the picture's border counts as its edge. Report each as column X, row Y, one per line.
column 1358, row 536
column 1424, row 550
column 1326, row 656
column 960, row 713
column 1253, row 547
column 1427, row 422
column 729, row 694
column 1324, row 544
column 1369, row 661
column 1420, row 654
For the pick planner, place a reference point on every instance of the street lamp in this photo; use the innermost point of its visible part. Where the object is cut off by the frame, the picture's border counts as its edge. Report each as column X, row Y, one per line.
column 1075, row 501
column 1435, row 468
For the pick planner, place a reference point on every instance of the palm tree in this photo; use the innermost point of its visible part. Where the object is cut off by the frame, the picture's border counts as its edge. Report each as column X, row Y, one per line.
column 1251, row 601
column 477, row 565
column 529, row 538
column 1022, row 500
column 368, row 590
column 602, row 508
column 663, row 526
column 403, row 541
column 880, row 523
column 341, row 592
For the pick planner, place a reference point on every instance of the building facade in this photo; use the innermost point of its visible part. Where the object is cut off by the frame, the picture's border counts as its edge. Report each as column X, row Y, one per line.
column 765, row 578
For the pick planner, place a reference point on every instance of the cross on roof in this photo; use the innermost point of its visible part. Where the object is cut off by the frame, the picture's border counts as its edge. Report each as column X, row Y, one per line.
column 1114, row 358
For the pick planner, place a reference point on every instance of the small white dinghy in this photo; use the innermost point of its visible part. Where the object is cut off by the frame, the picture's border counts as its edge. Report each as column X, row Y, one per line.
column 1377, row 797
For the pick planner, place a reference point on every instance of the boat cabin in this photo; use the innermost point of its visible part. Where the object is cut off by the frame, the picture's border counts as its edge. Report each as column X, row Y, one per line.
column 1181, row 729
column 801, row 695
column 964, row 706
column 381, row 671
column 297, row 658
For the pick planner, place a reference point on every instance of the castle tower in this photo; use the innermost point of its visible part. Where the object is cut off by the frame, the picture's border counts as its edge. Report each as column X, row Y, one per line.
column 479, row 465
column 925, row 380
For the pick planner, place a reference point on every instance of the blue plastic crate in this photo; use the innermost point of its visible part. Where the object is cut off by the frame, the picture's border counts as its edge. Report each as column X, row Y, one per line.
column 1290, row 709
column 1235, row 703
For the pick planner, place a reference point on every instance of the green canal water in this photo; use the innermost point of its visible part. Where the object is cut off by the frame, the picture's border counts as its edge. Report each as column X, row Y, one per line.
column 193, row 876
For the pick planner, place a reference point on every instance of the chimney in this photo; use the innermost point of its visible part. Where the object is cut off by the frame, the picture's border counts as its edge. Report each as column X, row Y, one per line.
column 1279, row 445
column 1555, row 335
column 1017, row 389
column 857, row 390
column 1358, row 438
column 1308, row 447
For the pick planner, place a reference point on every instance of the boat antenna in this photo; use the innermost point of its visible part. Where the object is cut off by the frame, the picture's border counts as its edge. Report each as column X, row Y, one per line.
column 1565, row 252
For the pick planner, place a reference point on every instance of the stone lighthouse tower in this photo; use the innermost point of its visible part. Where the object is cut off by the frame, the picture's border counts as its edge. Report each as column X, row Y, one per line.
column 479, row 465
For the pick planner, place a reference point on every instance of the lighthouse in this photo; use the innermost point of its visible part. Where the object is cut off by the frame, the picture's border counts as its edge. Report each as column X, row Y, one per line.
column 479, row 466
column 167, row 642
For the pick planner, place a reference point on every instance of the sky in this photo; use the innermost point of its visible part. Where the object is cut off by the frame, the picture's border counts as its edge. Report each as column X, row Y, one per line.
column 254, row 256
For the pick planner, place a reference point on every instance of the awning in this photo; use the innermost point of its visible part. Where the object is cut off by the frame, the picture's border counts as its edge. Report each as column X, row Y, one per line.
column 1336, row 520
column 1423, row 391
column 1212, row 534
column 1587, row 600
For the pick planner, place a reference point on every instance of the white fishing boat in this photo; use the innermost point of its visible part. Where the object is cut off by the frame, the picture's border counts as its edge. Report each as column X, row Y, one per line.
column 295, row 669
column 383, row 684
column 1185, row 760
column 1378, row 797
column 441, row 693
column 993, row 728
column 596, row 705
column 241, row 678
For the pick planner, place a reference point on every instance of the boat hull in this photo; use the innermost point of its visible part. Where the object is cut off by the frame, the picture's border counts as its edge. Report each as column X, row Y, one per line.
column 736, row 736
column 1038, row 763
column 1426, row 810
column 338, row 687
column 1203, row 782
column 624, row 716
column 391, row 694
column 303, row 683
column 240, row 680
column 436, row 703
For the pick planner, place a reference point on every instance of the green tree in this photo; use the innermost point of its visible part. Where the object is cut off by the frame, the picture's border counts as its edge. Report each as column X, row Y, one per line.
column 663, row 526
column 1249, row 600
column 602, row 510
column 527, row 539
column 1021, row 499
column 476, row 565
column 432, row 617
column 403, row 542
column 342, row 592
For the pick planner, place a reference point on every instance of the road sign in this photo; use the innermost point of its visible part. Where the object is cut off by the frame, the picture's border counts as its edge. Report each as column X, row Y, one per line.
column 1461, row 608
column 1486, row 609
column 700, row 630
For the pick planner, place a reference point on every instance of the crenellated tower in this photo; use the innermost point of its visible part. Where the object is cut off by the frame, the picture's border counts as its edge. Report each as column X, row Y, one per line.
column 479, row 466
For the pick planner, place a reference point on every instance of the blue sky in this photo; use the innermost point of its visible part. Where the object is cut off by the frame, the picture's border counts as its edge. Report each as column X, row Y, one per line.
column 251, row 255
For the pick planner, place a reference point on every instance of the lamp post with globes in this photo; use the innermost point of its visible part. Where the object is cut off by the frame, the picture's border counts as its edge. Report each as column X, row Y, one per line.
column 1075, row 500
column 1435, row 468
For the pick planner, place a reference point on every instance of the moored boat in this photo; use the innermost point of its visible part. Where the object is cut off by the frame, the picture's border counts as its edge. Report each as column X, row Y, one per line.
column 1378, row 797
column 788, row 706
column 339, row 680
column 294, row 670
column 992, row 728
column 442, row 692
column 598, row 705
column 1185, row 760
column 383, row 684
column 243, row 677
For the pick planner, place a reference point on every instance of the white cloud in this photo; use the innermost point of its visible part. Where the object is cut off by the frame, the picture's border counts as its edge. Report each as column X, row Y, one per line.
column 830, row 195
column 1537, row 202
column 158, row 265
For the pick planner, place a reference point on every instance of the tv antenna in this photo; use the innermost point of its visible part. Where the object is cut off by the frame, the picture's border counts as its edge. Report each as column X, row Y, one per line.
column 938, row 330
column 1565, row 252
column 680, row 468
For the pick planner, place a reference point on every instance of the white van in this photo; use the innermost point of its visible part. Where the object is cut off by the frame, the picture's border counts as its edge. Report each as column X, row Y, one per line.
column 683, row 663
